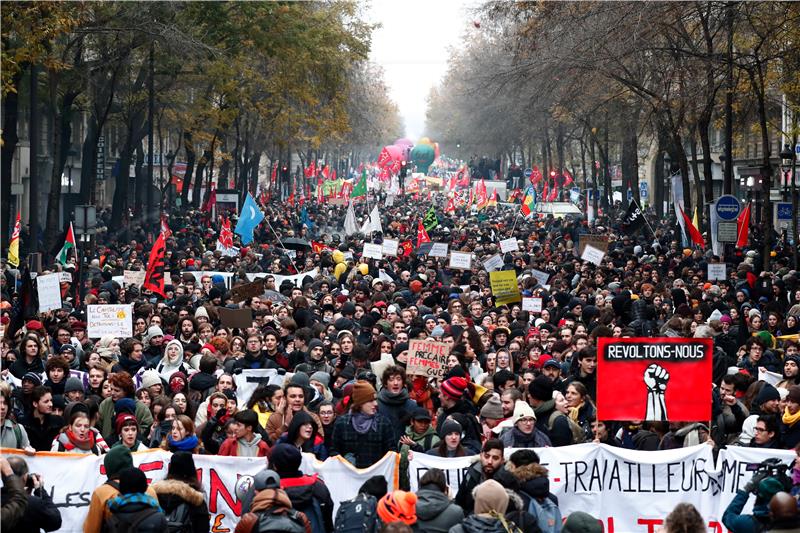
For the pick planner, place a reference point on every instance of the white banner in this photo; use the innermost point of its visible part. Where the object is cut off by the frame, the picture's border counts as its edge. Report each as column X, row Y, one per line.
column 297, row 279
column 373, row 251
column 629, row 490
column 248, row 380
column 593, row 255
column 114, row 320
column 48, row 288
column 71, row 478
column 199, row 274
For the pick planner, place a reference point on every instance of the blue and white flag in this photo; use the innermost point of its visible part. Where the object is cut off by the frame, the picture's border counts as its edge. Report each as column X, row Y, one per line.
column 249, row 217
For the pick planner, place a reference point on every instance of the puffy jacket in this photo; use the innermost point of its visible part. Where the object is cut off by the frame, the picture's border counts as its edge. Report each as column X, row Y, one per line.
column 435, row 512
column 172, row 493
column 275, row 500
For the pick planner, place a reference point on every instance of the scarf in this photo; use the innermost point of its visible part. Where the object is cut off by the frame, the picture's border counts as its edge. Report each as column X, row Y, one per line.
column 117, row 503
column 790, row 419
column 85, row 444
column 221, row 421
column 363, row 423
column 184, row 445
column 392, row 398
column 574, row 412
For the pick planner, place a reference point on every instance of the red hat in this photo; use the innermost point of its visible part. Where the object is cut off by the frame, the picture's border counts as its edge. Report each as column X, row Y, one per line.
column 415, row 286
column 210, row 347
column 79, row 326
column 122, row 419
column 541, row 361
column 34, row 324
column 190, row 262
column 454, row 387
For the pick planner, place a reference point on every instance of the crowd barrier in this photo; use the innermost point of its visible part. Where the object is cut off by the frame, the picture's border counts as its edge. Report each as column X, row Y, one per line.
column 627, row 490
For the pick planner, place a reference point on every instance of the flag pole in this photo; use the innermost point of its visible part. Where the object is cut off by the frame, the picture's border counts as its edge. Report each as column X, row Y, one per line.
column 652, row 231
column 281, row 243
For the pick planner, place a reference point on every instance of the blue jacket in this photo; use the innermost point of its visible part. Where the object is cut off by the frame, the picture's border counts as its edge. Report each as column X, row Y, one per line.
column 739, row 523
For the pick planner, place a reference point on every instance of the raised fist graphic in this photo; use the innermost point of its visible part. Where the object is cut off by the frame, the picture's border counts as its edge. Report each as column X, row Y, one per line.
column 656, row 378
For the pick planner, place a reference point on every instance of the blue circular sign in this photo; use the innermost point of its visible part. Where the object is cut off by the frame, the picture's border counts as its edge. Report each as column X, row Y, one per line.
column 528, row 172
column 728, row 207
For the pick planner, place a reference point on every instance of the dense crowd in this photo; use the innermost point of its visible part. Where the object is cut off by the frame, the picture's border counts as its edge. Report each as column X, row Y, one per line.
column 339, row 338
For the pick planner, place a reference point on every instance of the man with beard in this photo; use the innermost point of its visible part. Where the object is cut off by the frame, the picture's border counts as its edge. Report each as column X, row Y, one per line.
column 490, row 462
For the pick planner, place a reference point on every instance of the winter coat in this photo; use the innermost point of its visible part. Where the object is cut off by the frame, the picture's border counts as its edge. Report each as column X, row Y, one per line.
column 41, row 513
column 172, row 493
column 514, row 438
column 736, row 522
column 41, row 435
column 126, row 507
column 473, row 477
column 397, row 408
column 20, row 367
column 533, row 483
column 98, row 509
column 107, row 416
column 304, row 491
column 277, row 425
column 435, row 512
column 366, row 448
column 62, row 443
column 257, row 446
column 790, row 435
column 561, row 433
column 15, row 501
column 277, row 501
column 315, row 445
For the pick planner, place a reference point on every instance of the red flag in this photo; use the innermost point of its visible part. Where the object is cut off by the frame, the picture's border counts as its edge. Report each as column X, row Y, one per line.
column 536, row 176
column 407, row 248
column 567, row 178
column 553, row 192
column 422, row 235
column 273, row 178
column 225, row 234
column 326, row 172
column 451, row 206
column 743, row 227
column 165, row 227
column 545, row 190
column 154, row 277
column 318, row 247
column 694, row 233
column 211, row 200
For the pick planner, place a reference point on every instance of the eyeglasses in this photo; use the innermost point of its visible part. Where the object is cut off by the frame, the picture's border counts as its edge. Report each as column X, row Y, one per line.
column 760, row 430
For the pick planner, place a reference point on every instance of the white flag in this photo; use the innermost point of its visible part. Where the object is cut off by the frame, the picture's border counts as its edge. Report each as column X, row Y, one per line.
column 350, row 221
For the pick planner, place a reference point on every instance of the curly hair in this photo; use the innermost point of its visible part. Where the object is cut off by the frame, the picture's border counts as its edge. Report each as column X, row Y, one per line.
column 57, row 362
column 685, row 518
column 123, row 380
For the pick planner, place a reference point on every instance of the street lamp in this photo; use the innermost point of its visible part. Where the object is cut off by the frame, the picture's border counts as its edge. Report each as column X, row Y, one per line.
column 788, row 158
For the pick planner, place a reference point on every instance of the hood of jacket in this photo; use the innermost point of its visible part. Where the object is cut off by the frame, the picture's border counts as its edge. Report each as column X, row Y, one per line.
column 270, row 498
column 300, row 418
column 532, row 478
column 482, row 524
column 300, row 490
column 252, row 444
column 172, row 493
column 430, row 503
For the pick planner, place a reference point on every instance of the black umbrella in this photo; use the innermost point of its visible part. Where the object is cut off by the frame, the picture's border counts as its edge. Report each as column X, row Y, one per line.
column 296, row 244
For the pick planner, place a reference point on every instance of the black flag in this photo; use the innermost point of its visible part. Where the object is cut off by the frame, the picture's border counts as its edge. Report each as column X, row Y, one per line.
column 633, row 220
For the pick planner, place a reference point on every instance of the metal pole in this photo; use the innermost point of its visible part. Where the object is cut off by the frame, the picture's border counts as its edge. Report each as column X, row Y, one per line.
column 33, row 132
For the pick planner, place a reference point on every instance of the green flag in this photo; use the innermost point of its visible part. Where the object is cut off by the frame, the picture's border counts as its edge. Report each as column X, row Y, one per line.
column 361, row 187
column 431, row 220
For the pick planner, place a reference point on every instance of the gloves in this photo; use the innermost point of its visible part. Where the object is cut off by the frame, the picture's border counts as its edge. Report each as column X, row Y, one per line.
column 752, row 485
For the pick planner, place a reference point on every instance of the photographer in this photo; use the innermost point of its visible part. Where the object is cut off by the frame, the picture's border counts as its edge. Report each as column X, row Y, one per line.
column 41, row 513
column 768, row 480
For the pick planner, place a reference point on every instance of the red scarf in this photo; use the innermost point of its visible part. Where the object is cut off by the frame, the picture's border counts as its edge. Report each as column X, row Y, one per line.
column 86, row 444
column 221, row 422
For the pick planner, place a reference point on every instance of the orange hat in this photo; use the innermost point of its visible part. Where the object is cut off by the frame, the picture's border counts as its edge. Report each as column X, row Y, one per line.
column 398, row 506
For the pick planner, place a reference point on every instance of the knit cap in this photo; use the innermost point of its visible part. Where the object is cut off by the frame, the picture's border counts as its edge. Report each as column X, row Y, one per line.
column 150, row 378
column 454, row 387
column 363, row 392
column 73, row 384
column 450, row 426
column 122, row 419
column 766, row 394
column 490, row 496
column 580, row 522
column 398, row 506
column 285, row 458
column 116, row 460
column 322, row 377
column 33, row 377
column 493, row 408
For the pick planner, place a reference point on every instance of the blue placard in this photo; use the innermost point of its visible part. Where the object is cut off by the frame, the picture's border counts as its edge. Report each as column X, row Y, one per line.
column 783, row 210
column 528, row 172
column 728, row 207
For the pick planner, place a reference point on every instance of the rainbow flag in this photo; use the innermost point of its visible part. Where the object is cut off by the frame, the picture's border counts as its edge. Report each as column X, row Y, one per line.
column 529, row 201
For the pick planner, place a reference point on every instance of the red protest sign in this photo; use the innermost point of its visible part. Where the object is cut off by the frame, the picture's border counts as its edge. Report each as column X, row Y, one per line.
column 654, row 379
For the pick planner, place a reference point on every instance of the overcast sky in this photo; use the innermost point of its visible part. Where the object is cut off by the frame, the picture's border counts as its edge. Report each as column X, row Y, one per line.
column 413, row 47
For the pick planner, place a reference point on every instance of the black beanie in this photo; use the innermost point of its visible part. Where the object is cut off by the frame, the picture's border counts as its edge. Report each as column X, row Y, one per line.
column 132, row 481
column 285, row 459
column 541, row 389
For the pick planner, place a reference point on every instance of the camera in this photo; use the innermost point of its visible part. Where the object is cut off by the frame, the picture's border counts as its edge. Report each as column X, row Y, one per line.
column 775, row 468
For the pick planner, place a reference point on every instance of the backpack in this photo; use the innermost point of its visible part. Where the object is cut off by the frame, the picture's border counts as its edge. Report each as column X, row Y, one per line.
column 357, row 515
column 578, row 435
column 547, row 514
column 178, row 520
column 288, row 521
column 115, row 524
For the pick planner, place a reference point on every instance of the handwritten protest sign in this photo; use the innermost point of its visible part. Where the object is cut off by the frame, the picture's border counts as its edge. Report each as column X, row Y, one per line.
column 460, row 260
column 109, row 320
column 390, row 246
column 427, row 358
column 509, row 245
column 133, row 277
column 504, row 286
column 494, row 262
column 49, row 290
column 534, row 305
column 374, row 251
column 716, row 271
column 593, row 255
column 439, row 249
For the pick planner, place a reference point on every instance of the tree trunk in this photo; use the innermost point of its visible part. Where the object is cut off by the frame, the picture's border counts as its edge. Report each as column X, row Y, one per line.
column 696, row 173
column 188, row 145
column 140, row 194
column 7, row 149
column 62, row 131
column 703, row 128
column 759, row 87
column 198, row 178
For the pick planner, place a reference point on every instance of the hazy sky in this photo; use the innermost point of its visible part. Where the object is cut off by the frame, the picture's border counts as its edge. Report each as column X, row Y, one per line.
column 412, row 47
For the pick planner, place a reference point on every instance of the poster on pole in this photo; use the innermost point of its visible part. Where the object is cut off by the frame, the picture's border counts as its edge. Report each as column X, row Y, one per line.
column 133, row 277
column 461, row 260
column 504, row 286
column 48, row 287
column 390, row 246
column 509, row 245
column 666, row 379
column 373, row 251
column 494, row 262
column 540, row 276
column 716, row 271
column 593, row 255
column 427, row 358
column 109, row 320
column 533, row 305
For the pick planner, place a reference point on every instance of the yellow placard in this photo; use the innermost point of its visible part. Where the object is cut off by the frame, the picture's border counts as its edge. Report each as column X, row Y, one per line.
column 504, row 286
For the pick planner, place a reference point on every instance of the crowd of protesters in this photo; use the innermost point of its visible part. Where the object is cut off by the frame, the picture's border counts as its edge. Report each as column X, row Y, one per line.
column 340, row 339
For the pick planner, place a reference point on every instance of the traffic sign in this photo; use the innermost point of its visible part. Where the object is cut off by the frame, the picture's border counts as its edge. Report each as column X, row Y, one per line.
column 727, row 231
column 528, row 172
column 797, row 149
column 643, row 192
column 728, row 207
column 783, row 215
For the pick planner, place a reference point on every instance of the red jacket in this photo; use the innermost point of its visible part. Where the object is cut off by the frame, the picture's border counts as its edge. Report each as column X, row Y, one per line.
column 230, row 448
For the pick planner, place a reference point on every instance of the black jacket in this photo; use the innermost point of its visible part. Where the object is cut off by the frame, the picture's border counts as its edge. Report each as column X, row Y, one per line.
column 41, row 435
column 172, row 493
column 304, row 492
column 41, row 514
column 472, row 478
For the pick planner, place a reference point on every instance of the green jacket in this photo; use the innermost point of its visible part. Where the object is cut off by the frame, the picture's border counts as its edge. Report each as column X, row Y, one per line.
column 425, row 441
column 106, row 425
